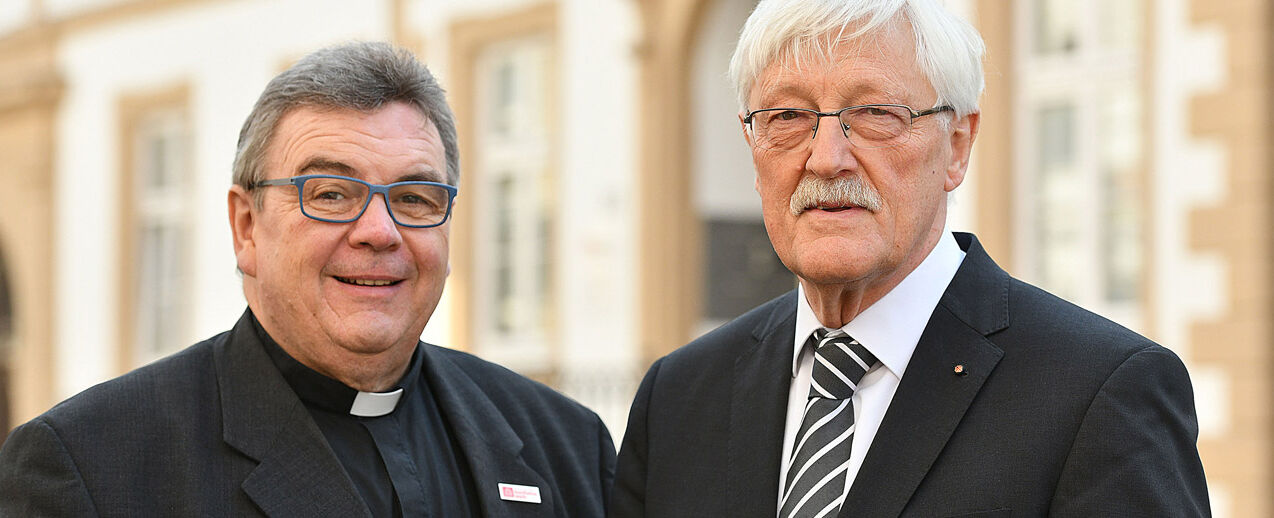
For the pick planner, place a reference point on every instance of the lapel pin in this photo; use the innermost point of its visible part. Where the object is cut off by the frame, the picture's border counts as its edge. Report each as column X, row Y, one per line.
column 959, row 370
column 519, row 493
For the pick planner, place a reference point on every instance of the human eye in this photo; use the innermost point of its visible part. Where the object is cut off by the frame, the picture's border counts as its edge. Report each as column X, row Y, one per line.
column 418, row 199
column 413, row 198
column 784, row 116
column 332, row 193
column 876, row 122
column 787, row 115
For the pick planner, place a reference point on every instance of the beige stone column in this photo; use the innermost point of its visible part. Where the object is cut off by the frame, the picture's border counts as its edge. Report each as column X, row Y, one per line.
column 30, row 88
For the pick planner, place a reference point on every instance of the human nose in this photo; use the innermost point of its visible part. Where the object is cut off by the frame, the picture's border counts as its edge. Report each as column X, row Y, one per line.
column 831, row 153
column 375, row 228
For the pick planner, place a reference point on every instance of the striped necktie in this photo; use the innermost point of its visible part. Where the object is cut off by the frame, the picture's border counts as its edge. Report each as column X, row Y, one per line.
column 815, row 485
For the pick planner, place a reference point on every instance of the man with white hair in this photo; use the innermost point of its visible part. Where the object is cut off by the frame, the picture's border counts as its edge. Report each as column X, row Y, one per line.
column 907, row 375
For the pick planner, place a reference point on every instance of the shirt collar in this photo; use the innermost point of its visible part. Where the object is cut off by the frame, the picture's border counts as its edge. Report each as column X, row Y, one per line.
column 891, row 327
column 319, row 390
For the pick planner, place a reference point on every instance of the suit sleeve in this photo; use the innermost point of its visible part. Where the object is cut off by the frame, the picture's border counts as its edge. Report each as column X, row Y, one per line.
column 1135, row 453
column 628, row 498
column 38, row 477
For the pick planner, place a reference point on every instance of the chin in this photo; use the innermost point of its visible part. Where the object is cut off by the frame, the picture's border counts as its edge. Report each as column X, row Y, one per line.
column 374, row 341
column 373, row 334
column 833, row 268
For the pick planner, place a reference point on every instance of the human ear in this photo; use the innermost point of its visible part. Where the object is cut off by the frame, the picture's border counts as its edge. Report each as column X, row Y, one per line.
column 964, row 132
column 242, row 212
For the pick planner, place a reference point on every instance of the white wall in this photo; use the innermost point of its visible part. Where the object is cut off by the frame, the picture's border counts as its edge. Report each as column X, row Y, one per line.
column 12, row 14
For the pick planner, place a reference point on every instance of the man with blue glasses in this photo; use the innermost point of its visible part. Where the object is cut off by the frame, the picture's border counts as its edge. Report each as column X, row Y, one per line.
column 322, row 401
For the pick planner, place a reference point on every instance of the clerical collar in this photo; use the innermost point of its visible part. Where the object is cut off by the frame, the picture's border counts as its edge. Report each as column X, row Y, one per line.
column 315, row 389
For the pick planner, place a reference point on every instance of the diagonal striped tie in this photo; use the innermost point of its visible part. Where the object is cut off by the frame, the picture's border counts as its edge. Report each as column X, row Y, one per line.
column 815, row 485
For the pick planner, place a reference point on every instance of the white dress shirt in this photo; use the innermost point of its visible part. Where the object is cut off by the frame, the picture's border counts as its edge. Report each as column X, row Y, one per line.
column 890, row 329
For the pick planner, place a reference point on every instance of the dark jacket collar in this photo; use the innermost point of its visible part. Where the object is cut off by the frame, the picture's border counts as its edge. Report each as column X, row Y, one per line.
column 264, row 419
column 932, row 397
column 318, row 390
column 759, row 395
column 489, row 444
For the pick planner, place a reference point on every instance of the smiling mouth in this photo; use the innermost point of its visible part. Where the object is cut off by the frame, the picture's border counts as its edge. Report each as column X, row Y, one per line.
column 366, row 282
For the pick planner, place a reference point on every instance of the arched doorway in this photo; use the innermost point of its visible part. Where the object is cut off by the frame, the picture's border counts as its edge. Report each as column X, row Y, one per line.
column 739, row 269
column 695, row 181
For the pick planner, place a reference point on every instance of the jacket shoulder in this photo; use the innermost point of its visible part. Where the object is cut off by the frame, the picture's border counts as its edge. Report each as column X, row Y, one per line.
column 731, row 338
column 1040, row 319
column 153, row 397
column 510, row 391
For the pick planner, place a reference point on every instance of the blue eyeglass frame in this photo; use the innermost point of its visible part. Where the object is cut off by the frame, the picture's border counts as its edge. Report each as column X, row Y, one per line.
column 372, row 190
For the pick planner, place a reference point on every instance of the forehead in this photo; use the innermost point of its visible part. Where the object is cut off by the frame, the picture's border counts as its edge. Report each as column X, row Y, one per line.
column 874, row 68
column 392, row 138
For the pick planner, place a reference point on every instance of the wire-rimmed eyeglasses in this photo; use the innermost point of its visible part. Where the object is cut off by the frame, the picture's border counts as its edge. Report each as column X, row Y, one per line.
column 867, row 125
column 341, row 199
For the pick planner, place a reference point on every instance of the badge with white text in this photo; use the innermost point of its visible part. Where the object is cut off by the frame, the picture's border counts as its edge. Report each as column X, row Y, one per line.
column 517, row 493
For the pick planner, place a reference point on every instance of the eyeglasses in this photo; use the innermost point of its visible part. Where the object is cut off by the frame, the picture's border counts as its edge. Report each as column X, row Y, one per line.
column 341, row 199
column 866, row 126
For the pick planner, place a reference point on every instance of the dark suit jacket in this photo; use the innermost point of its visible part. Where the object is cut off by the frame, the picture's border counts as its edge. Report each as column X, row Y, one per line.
column 216, row 431
column 1060, row 412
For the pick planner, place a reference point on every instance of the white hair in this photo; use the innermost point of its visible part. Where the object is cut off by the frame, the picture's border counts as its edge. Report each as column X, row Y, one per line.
column 948, row 49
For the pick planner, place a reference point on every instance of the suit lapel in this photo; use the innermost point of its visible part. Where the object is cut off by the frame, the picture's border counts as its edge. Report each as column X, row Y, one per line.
column 298, row 474
column 489, row 445
column 761, row 379
column 932, row 398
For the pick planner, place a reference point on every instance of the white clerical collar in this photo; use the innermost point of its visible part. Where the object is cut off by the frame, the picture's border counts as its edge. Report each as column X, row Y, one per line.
column 891, row 327
column 375, row 404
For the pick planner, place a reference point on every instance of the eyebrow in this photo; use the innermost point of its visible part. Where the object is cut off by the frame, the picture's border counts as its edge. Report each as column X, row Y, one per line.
column 785, row 92
column 799, row 92
column 429, row 175
column 322, row 165
column 326, row 165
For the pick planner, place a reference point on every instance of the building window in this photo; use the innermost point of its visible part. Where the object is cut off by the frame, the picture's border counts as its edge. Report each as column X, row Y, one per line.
column 1082, row 233
column 158, row 261
column 512, row 189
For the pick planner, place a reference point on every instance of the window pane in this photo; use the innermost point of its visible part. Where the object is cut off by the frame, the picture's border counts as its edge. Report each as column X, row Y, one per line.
column 1121, row 247
column 1056, row 27
column 1060, row 236
column 504, row 88
column 160, row 310
column 160, row 303
column 1119, row 25
column 506, row 304
column 514, row 222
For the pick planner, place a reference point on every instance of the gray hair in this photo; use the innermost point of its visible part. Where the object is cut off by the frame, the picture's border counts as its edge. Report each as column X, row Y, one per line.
column 948, row 49
column 361, row 76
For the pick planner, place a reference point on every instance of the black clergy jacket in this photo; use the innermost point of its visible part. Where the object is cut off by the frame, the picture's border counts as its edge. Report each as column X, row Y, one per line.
column 216, row 431
column 1054, row 411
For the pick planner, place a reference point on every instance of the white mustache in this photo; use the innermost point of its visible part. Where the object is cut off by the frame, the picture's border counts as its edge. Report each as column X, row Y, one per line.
column 840, row 191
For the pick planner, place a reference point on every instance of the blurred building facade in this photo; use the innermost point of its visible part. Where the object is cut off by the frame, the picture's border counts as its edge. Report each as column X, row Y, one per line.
column 606, row 213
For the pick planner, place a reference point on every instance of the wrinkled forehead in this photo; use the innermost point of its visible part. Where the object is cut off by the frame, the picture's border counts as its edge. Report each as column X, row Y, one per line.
column 880, row 62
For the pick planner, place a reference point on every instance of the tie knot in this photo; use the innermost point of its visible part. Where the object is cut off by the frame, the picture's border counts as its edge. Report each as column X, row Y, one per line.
column 839, row 364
